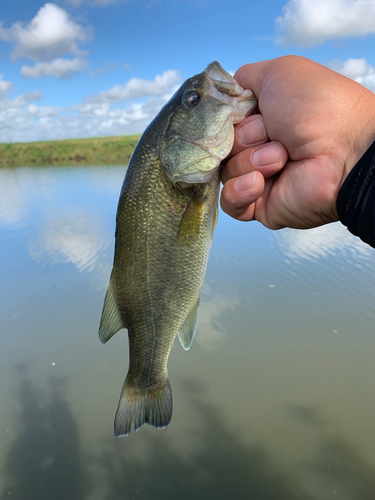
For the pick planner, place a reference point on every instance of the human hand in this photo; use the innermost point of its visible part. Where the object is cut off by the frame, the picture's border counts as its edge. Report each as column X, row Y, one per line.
column 326, row 123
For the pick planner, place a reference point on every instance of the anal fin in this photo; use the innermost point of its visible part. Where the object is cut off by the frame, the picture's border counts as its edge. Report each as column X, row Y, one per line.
column 111, row 321
column 189, row 327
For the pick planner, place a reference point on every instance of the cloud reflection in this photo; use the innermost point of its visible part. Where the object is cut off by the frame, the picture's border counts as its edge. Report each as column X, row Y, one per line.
column 44, row 461
column 67, row 216
column 323, row 241
column 209, row 314
column 12, row 203
column 76, row 236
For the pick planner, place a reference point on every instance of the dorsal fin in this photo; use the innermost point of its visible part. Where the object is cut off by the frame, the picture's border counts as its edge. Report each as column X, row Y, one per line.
column 111, row 321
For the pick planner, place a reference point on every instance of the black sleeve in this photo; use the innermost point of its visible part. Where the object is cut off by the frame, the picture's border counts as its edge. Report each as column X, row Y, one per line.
column 356, row 199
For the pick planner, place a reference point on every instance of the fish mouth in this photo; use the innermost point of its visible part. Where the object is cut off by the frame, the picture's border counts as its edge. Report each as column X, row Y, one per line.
column 225, row 89
column 240, row 104
column 222, row 80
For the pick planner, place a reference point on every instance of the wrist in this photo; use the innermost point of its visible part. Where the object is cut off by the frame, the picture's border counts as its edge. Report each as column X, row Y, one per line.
column 356, row 199
column 363, row 134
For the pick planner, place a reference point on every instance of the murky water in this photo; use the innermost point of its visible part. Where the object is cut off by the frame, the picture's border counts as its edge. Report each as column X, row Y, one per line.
column 274, row 401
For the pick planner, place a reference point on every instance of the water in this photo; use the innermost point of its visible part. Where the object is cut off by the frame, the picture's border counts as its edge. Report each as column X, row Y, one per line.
column 274, row 401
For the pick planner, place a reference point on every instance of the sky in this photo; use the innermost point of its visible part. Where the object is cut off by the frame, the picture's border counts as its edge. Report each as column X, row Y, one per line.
column 90, row 68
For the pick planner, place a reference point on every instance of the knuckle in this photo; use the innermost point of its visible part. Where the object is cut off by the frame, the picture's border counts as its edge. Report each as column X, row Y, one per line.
column 230, row 201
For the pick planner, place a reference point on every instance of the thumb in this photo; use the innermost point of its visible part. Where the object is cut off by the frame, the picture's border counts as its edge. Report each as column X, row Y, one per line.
column 251, row 76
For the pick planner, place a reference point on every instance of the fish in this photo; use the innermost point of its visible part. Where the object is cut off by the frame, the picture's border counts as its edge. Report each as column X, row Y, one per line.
column 166, row 216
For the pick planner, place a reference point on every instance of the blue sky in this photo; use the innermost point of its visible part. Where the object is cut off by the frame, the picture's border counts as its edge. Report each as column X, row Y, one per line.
column 85, row 68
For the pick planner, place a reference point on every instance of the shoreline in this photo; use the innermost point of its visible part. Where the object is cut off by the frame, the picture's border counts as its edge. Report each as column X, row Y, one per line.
column 115, row 150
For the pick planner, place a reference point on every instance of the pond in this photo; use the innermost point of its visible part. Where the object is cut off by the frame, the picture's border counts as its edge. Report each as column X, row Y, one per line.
column 275, row 400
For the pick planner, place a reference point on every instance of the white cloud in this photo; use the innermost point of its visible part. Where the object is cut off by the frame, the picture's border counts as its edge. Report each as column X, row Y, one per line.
column 109, row 66
column 19, row 102
column 4, row 86
column 42, row 111
column 306, row 23
column 357, row 69
column 22, row 119
column 60, row 68
column 3, row 33
column 49, row 34
column 137, row 88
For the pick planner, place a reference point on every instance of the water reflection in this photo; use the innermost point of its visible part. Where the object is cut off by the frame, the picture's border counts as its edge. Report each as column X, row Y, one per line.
column 220, row 467
column 321, row 242
column 308, row 415
column 275, row 399
column 339, row 465
column 12, row 201
column 44, row 461
column 211, row 333
column 75, row 235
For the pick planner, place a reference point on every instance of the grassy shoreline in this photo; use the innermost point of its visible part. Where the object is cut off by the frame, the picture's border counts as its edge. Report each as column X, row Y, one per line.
column 93, row 151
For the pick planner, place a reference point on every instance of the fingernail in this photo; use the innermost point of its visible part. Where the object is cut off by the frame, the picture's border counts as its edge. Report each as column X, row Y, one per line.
column 251, row 132
column 245, row 182
column 267, row 155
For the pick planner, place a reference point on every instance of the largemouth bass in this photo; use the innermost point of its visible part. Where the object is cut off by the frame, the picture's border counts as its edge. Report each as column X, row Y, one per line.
column 165, row 221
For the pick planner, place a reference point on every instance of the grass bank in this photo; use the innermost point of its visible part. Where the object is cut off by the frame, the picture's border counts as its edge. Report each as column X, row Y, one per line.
column 95, row 151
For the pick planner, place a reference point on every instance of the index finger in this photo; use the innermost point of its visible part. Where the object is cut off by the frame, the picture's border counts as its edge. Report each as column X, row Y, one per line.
column 248, row 133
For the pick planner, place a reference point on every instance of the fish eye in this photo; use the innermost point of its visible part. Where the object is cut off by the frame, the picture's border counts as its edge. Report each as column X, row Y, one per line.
column 192, row 97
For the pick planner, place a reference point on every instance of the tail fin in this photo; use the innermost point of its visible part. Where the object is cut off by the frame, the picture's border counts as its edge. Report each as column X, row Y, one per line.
column 139, row 406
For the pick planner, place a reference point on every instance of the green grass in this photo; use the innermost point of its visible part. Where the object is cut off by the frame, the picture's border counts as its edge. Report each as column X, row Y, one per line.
column 95, row 151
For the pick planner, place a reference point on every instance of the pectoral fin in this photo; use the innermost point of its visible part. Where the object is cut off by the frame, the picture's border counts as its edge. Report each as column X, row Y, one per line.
column 111, row 321
column 191, row 222
column 189, row 327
